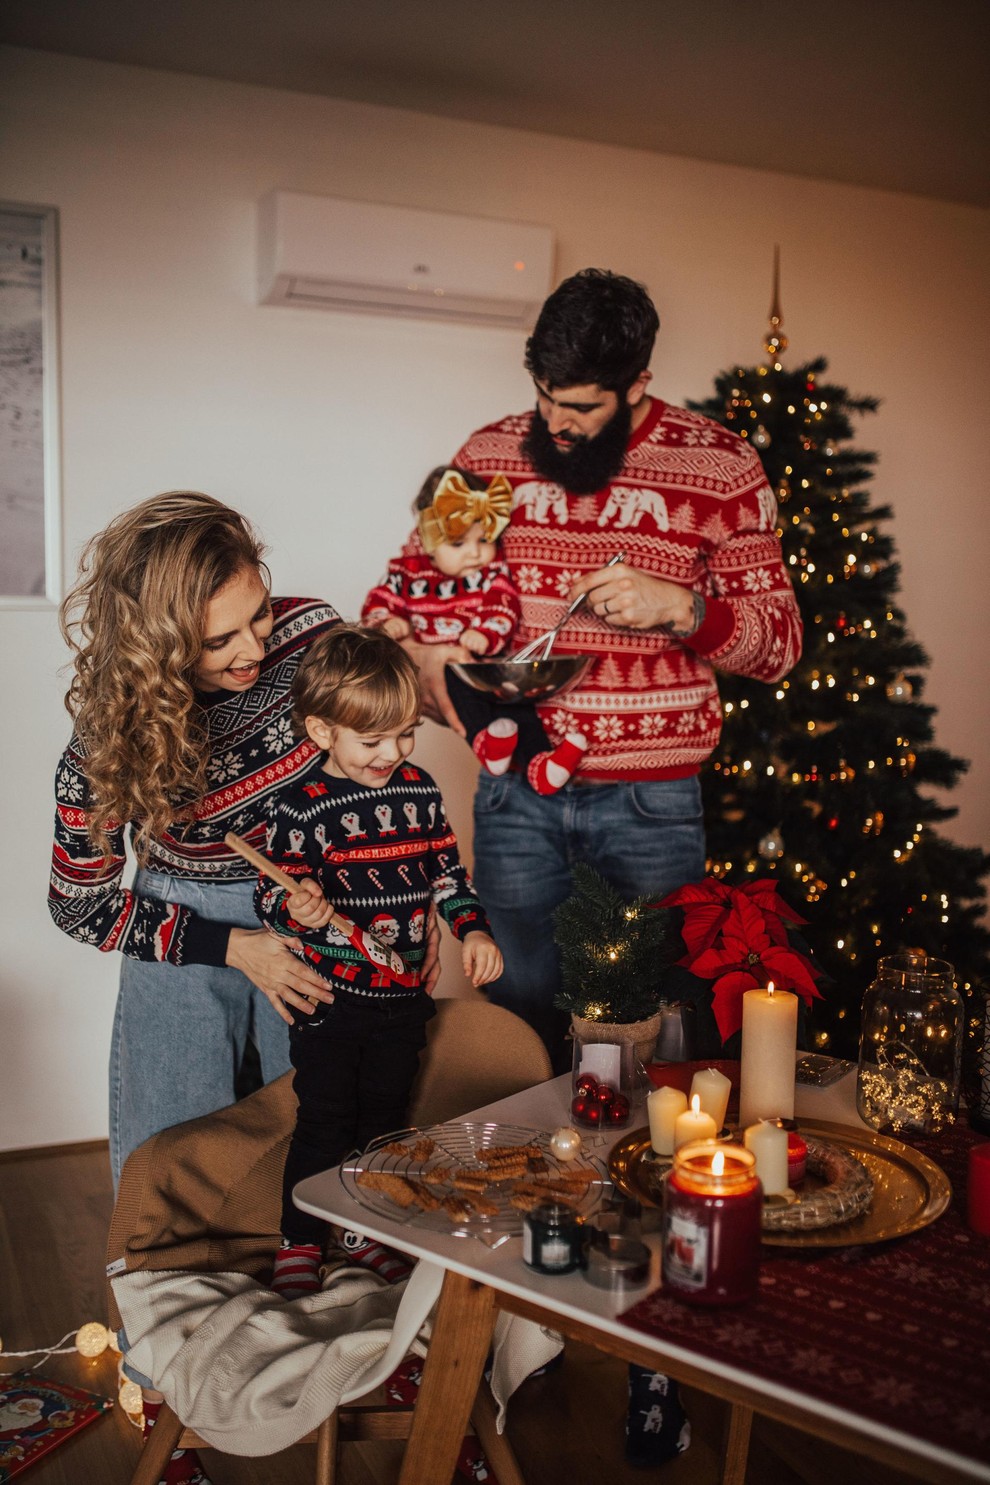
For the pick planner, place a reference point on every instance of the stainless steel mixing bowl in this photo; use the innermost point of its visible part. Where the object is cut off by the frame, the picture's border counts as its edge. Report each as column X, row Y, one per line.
column 522, row 680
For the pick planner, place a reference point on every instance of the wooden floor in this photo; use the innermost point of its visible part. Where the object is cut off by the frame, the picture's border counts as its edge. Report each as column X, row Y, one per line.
column 566, row 1427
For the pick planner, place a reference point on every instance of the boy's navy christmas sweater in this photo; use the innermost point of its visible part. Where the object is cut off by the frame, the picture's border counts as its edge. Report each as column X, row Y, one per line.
column 380, row 856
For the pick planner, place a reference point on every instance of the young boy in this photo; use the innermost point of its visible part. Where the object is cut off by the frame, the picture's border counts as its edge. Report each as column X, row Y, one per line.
column 366, row 833
column 457, row 590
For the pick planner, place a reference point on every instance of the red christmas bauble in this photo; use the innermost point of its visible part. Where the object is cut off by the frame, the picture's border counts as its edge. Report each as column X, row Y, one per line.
column 593, row 1113
column 586, row 1083
column 579, row 1107
column 618, row 1110
column 604, row 1093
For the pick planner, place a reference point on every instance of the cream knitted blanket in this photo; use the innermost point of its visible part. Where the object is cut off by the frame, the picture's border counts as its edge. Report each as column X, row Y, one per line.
column 254, row 1374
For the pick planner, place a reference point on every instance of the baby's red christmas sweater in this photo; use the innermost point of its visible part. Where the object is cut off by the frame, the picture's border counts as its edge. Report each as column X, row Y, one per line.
column 438, row 608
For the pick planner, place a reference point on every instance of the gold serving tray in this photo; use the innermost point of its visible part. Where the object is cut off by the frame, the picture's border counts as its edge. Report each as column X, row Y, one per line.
column 909, row 1190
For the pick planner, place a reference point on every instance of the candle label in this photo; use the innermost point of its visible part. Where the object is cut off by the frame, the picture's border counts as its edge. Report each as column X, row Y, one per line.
column 685, row 1251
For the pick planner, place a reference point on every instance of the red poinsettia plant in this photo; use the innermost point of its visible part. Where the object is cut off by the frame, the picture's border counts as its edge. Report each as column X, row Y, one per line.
column 737, row 938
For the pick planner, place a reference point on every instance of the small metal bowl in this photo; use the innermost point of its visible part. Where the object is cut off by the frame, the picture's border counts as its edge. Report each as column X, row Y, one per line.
column 522, row 680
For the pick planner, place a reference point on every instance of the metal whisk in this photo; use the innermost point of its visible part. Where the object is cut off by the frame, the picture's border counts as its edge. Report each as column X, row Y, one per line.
column 540, row 647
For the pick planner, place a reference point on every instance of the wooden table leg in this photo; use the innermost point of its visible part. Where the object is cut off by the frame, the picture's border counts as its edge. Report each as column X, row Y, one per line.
column 156, row 1451
column 498, row 1450
column 455, row 1360
column 735, row 1444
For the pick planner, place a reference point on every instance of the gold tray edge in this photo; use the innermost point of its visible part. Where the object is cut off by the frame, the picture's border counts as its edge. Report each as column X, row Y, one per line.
column 939, row 1188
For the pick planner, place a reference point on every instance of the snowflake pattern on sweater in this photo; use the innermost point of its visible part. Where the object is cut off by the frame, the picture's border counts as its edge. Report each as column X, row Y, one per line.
column 380, row 857
column 439, row 608
column 253, row 753
column 691, row 505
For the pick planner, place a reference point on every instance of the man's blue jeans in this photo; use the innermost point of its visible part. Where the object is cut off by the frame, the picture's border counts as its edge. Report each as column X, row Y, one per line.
column 643, row 838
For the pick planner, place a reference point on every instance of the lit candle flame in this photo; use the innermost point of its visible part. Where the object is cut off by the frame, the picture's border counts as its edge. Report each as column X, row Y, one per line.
column 770, row 988
column 696, row 1103
column 718, row 1163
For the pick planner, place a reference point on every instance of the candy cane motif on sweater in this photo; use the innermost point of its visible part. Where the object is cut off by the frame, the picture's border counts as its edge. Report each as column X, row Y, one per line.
column 376, row 878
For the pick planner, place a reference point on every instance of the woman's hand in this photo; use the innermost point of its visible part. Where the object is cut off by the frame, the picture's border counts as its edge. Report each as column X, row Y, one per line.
column 282, row 979
column 481, row 958
column 430, row 661
column 628, row 598
column 430, row 972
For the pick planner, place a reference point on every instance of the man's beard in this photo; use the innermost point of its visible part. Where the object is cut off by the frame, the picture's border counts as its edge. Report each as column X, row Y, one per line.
column 590, row 463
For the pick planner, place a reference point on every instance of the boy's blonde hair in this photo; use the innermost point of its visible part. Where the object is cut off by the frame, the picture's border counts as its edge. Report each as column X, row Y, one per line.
column 357, row 678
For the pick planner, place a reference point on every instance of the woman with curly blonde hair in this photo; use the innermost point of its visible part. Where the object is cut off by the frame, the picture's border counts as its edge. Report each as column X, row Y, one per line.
column 180, row 699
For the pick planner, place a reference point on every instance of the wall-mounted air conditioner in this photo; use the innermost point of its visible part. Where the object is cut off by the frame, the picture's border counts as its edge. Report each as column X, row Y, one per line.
column 318, row 252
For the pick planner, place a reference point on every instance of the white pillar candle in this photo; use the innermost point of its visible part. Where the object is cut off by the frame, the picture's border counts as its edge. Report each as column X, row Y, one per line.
column 662, row 1108
column 769, row 1043
column 693, row 1125
column 768, row 1142
column 713, row 1088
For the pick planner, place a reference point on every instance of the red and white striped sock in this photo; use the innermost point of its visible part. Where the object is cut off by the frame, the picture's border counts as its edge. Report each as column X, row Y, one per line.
column 496, row 745
column 185, row 1466
column 391, row 1266
column 297, row 1270
column 549, row 772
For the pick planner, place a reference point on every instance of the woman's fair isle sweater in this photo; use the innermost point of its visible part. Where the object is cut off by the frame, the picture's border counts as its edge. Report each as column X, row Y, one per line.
column 690, row 504
column 253, row 753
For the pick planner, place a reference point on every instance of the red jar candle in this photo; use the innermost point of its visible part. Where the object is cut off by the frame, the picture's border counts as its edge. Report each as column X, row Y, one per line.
column 712, row 1210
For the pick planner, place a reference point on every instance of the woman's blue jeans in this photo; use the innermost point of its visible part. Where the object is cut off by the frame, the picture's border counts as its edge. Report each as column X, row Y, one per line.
column 644, row 838
column 179, row 1034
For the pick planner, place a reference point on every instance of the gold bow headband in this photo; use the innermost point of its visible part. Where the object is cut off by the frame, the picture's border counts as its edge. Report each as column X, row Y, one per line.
column 456, row 507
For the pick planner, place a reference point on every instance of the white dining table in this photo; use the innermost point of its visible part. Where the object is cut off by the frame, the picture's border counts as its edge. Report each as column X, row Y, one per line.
column 480, row 1281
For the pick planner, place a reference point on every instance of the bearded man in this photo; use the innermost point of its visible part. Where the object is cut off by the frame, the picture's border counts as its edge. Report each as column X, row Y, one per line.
column 600, row 467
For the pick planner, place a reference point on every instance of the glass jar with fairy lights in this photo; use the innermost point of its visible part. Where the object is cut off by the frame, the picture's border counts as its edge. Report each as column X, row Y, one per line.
column 910, row 1049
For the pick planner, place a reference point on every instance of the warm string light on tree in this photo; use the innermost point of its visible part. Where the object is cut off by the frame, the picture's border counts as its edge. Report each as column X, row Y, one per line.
column 825, row 779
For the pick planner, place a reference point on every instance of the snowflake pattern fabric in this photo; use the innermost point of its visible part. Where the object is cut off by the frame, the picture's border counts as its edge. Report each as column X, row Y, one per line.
column 897, row 1333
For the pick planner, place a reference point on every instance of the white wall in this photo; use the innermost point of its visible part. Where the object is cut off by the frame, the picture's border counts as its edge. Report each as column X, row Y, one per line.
column 319, row 427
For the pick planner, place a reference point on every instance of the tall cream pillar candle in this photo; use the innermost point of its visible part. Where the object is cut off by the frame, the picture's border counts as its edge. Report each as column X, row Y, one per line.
column 769, row 1044
column 713, row 1088
column 662, row 1108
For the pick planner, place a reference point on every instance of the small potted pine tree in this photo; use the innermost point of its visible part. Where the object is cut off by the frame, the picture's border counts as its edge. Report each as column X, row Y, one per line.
column 613, row 956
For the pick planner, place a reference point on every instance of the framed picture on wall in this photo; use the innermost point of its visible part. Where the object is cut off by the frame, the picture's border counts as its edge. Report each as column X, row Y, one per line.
column 30, row 475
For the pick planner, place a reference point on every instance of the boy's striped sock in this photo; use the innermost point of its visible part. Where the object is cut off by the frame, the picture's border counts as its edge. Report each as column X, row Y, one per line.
column 297, row 1270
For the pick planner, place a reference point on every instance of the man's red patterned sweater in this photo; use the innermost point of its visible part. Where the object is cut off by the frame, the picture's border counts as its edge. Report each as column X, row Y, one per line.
column 690, row 504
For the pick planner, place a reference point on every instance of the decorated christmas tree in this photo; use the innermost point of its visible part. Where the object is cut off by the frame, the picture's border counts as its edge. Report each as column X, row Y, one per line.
column 824, row 781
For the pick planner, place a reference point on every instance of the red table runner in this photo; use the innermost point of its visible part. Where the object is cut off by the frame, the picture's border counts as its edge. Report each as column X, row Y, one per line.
column 897, row 1332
